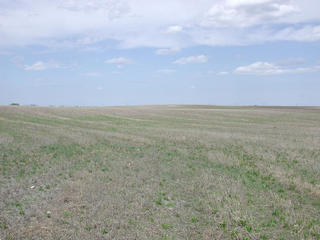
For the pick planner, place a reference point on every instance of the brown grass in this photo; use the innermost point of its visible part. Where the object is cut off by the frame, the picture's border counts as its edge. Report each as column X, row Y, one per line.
column 160, row 172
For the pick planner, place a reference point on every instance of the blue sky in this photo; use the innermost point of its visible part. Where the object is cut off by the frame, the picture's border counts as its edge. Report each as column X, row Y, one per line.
column 137, row 52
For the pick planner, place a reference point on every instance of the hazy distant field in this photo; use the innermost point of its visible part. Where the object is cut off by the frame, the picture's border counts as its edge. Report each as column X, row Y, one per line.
column 159, row 172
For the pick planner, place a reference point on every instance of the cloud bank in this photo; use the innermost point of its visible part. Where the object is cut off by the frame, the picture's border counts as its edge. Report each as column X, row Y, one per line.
column 192, row 59
column 39, row 66
column 266, row 68
column 167, row 24
column 167, row 51
column 119, row 61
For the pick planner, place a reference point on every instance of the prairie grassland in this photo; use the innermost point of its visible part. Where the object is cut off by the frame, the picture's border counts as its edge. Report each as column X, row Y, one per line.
column 159, row 172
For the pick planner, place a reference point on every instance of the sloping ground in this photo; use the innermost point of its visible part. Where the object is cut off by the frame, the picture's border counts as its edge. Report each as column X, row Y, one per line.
column 159, row 172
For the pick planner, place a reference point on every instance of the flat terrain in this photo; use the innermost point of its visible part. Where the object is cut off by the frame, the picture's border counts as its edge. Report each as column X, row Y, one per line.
column 159, row 172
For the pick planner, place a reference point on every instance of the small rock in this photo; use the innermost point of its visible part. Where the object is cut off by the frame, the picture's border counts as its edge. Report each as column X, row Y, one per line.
column 32, row 187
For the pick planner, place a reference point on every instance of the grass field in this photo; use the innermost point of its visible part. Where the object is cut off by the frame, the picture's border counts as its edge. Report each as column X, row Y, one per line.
column 159, row 172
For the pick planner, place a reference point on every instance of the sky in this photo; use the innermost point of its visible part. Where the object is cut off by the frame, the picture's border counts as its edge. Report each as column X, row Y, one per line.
column 140, row 52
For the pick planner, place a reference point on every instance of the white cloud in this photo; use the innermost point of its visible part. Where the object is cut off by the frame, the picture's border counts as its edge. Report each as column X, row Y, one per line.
column 246, row 13
column 174, row 29
column 166, row 71
column 166, row 51
column 259, row 68
column 192, row 59
column 222, row 73
column 39, row 66
column 119, row 61
column 145, row 23
column 246, row 2
column 266, row 68
column 308, row 33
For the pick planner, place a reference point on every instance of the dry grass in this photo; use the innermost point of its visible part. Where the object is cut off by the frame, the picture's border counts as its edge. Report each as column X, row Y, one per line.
column 159, row 172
